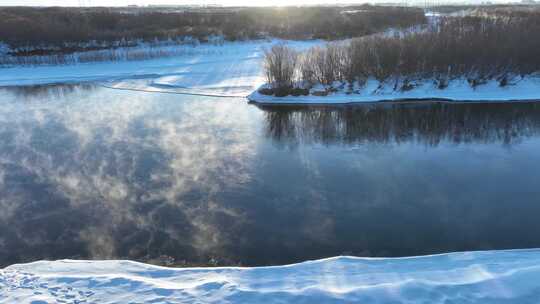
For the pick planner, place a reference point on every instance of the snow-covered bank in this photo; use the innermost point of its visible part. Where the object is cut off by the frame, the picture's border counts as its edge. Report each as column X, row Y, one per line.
column 234, row 68
column 511, row 276
column 525, row 89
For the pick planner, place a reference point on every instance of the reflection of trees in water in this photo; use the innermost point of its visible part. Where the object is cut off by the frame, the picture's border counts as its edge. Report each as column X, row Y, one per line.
column 48, row 90
column 429, row 124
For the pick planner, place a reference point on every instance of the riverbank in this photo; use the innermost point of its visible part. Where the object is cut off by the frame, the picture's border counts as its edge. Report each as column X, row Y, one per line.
column 519, row 89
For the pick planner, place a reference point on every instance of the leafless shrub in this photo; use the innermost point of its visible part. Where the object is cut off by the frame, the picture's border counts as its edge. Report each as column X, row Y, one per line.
column 280, row 63
column 325, row 64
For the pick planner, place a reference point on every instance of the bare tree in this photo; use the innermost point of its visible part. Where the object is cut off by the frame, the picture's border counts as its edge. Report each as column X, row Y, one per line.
column 280, row 62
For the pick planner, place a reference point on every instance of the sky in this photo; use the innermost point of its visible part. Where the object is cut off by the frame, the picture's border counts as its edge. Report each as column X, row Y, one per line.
column 169, row 2
column 191, row 2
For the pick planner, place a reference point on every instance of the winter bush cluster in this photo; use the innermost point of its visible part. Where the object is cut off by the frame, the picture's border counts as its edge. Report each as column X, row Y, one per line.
column 476, row 48
column 280, row 65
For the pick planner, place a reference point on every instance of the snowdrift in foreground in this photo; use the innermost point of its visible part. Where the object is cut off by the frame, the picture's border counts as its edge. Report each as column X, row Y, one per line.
column 511, row 276
column 525, row 89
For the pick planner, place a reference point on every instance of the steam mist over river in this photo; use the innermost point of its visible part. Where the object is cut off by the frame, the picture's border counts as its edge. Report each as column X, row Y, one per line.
column 89, row 172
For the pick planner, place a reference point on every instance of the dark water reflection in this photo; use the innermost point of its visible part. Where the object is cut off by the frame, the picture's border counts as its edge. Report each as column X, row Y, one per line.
column 401, row 123
column 87, row 172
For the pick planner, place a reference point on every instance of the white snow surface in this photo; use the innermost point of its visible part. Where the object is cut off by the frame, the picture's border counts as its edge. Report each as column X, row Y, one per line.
column 524, row 89
column 233, row 69
column 511, row 276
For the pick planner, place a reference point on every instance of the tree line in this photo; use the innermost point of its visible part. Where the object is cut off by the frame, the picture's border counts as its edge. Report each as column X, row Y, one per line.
column 35, row 31
column 479, row 48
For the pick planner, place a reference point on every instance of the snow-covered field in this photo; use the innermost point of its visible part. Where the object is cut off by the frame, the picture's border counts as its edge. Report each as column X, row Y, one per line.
column 470, row 277
column 525, row 89
column 232, row 69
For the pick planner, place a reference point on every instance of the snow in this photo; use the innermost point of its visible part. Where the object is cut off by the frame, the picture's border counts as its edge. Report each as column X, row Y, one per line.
column 511, row 276
column 525, row 89
column 234, row 69
column 231, row 69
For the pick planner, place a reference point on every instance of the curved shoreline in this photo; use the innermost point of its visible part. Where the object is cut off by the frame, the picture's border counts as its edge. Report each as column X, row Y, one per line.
column 426, row 100
column 458, row 91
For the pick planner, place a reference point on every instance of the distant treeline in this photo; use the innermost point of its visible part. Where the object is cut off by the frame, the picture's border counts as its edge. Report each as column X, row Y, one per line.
column 475, row 48
column 37, row 30
column 449, row 9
